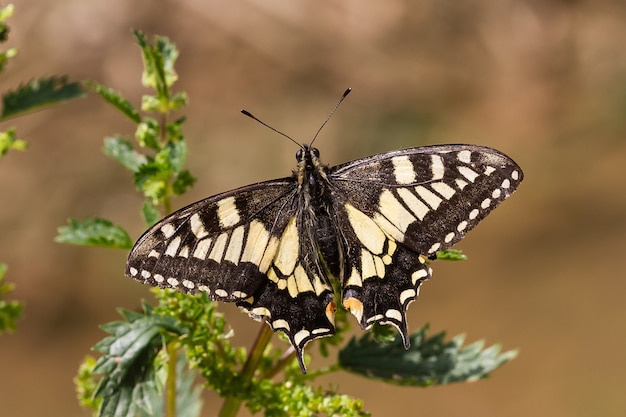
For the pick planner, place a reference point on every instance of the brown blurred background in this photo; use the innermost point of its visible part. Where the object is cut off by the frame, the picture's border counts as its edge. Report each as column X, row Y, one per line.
column 543, row 81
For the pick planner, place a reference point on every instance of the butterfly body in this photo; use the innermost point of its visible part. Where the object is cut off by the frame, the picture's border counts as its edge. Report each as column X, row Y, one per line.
column 272, row 247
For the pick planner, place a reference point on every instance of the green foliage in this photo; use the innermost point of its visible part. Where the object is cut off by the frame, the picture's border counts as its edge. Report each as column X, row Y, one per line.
column 451, row 255
column 5, row 13
column 132, row 368
column 39, row 93
column 9, row 140
column 9, row 310
column 94, row 232
column 429, row 361
column 30, row 96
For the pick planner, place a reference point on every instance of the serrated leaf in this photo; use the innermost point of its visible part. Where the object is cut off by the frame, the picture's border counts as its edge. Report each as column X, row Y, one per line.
column 116, row 100
column 123, row 152
column 172, row 155
column 150, row 213
column 159, row 62
column 429, row 361
column 39, row 93
column 183, row 182
column 128, row 363
column 94, row 232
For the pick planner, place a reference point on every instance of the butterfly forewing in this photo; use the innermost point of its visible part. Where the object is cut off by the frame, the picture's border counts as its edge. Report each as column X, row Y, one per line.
column 395, row 209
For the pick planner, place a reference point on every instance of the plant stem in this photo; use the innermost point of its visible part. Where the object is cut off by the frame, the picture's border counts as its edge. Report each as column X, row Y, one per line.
column 231, row 406
column 170, row 383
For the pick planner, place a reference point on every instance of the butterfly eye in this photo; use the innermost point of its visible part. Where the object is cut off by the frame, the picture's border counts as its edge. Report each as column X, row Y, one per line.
column 299, row 155
column 316, row 152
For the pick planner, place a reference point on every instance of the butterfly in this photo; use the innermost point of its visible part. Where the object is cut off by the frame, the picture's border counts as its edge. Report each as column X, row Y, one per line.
column 372, row 224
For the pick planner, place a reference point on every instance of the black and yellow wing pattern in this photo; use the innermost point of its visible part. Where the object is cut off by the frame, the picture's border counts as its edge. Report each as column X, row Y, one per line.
column 372, row 223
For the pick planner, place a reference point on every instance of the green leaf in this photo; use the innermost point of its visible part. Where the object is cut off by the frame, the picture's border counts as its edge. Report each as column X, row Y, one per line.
column 10, row 311
column 147, row 134
column 183, row 182
column 172, row 155
column 429, row 361
column 159, row 60
column 128, row 384
column 94, row 232
column 150, row 213
column 9, row 140
column 152, row 178
column 451, row 255
column 123, row 152
column 116, row 100
column 39, row 93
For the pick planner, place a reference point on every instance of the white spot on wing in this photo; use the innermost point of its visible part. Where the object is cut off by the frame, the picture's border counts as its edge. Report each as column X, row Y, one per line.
column 202, row 248
column 393, row 314
column 153, row 254
column 434, row 247
column 302, row 280
column 462, row 226
column 429, row 197
column 444, row 189
column 173, row 282
column 417, row 275
column 145, row 274
column 227, row 212
column 159, row 278
column 486, row 202
column 403, row 170
column 299, row 337
column 473, row 214
column 496, row 193
column 394, row 211
column 287, row 254
column 197, row 226
column 221, row 293
column 468, row 173
column 234, row 246
column 133, row 271
column 515, row 175
column 436, row 167
column 415, row 204
column 460, row 183
column 219, row 247
column 489, row 170
column 354, row 279
column 449, row 237
column 172, row 248
column 280, row 324
column 255, row 243
column 366, row 230
column 188, row 284
column 506, row 183
column 168, row 230
column 407, row 295
column 464, row 156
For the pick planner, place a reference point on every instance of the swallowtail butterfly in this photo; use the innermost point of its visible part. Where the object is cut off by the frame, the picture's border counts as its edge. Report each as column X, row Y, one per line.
column 372, row 223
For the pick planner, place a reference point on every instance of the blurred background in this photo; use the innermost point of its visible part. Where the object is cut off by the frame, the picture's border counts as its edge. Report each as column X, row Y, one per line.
column 543, row 81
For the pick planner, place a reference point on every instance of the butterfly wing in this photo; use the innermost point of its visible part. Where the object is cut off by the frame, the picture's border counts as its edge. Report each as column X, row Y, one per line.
column 404, row 206
column 246, row 246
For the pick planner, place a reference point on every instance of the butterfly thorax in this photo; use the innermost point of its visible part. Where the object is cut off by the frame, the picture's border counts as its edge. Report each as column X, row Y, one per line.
column 314, row 188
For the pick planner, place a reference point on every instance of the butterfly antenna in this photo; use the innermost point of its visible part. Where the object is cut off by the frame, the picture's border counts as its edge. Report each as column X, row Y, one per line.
column 343, row 96
column 250, row 115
